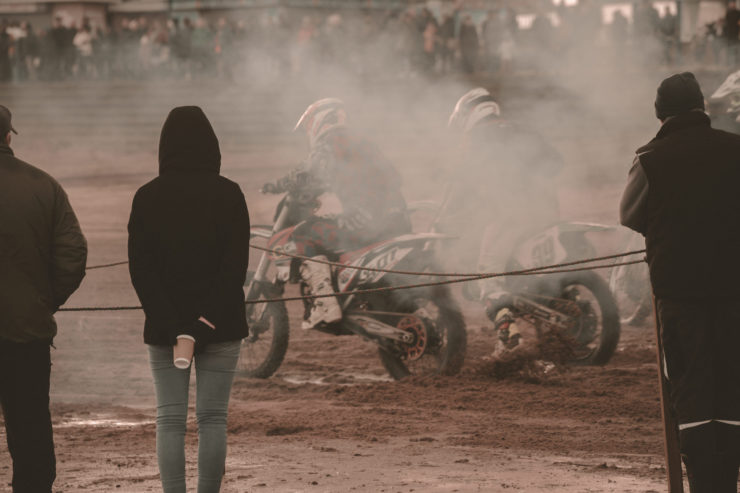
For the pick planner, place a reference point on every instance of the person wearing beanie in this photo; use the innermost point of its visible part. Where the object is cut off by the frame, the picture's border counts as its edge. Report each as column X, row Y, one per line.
column 682, row 195
column 679, row 93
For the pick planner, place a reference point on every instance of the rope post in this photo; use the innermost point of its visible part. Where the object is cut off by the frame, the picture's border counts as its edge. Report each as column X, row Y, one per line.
column 670, row 426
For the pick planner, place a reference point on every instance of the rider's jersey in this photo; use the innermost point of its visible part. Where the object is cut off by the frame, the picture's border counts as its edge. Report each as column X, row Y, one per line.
column 365, row 182
column 505, row 186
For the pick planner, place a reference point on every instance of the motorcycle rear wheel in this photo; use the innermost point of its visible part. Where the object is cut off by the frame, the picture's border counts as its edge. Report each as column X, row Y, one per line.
column 597, row 328
column 441, row 315
column 262, row 352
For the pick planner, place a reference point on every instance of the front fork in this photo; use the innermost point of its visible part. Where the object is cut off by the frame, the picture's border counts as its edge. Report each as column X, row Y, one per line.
column 258, row 283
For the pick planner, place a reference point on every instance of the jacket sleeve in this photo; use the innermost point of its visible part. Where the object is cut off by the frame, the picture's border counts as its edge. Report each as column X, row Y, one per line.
column 306, row 176
column 144, row 267
column 633, row 207
column 69, row 250
column 232, row 270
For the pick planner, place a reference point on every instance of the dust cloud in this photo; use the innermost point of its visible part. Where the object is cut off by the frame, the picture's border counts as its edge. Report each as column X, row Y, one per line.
column 586, row 94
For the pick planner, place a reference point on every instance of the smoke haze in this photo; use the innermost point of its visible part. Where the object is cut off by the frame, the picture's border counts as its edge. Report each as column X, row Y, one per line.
column 591, row 100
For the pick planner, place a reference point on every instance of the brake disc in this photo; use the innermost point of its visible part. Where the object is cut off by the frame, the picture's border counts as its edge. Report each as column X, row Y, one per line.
column 414, row 350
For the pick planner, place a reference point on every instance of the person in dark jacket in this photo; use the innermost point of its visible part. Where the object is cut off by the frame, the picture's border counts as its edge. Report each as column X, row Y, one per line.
column 42, row 262
column 731, row 32
column 469, row 45
column 188, row 254
column 682, row 195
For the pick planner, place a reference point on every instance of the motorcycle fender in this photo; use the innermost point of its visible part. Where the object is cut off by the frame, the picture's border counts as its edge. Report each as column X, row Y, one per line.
column 261, row 232
column 579, row 227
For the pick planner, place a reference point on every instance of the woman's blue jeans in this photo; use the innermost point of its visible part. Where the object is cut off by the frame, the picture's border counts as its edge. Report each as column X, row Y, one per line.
column 214, row 374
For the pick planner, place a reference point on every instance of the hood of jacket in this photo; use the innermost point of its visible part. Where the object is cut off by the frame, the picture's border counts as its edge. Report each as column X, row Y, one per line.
column 188, row 143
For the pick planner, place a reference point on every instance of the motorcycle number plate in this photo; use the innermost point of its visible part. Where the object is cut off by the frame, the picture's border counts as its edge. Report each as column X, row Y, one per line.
column 541, row 250
column 386, row 260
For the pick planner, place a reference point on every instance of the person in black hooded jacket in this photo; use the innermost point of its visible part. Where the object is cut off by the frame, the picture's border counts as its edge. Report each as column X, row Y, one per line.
column 188, row 254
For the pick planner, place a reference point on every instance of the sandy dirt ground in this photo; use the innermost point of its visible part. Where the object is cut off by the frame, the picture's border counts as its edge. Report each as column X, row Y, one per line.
column 331, row 420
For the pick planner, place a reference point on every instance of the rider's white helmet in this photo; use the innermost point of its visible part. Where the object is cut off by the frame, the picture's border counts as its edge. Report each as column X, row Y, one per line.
column 472, row 108
column 320, row 117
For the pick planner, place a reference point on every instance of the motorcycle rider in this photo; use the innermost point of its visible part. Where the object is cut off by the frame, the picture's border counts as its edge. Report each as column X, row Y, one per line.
column 367, row 186
column 723, row 106
column 501, row 194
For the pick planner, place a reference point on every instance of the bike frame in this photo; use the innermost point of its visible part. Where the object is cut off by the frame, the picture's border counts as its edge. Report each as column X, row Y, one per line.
column 356, row 322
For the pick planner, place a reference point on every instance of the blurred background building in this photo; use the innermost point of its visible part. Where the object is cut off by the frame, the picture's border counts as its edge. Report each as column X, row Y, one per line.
column 99, row 39
column 693, row 13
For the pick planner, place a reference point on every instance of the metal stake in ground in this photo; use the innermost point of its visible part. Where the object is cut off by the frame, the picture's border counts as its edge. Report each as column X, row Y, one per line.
column 670, row 425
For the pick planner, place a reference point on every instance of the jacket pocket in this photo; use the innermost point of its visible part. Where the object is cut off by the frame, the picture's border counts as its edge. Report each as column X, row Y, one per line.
column 25, row 309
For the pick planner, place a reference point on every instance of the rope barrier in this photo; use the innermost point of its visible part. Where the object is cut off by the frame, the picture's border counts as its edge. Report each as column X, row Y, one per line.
column 405, row 272
column 99, row 308
column 441, row 274
column 103, row 266
column 552, row 269
column 440, row 283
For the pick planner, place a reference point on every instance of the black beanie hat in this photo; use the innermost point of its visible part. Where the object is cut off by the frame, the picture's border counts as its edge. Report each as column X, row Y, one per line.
column 678, row 94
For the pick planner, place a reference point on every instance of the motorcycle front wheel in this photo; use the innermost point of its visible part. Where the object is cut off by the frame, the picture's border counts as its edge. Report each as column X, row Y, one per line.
column 262, row 352
column 630, row 286
column 596, row 325
column 446, row 337
column 631, row 289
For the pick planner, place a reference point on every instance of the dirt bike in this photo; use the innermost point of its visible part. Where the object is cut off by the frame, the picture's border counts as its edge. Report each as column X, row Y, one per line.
column 630, row 286
column 417, row 331
column 724, row 104
column 578, row 303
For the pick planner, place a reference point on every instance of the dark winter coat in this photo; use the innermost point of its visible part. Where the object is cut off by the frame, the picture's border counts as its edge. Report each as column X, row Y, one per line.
column 683, row 196
column 42, row 250
column 189, row 239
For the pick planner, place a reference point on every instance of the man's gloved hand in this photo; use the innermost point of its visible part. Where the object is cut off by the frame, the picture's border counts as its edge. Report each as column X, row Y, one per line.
column 270, row 188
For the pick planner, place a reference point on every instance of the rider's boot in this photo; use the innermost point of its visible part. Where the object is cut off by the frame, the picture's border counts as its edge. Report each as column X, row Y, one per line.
column 508, row 330
column 499, row 312
column 318, row 278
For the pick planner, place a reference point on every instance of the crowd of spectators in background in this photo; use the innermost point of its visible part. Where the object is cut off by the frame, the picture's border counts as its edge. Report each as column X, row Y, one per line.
column 399, row 43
